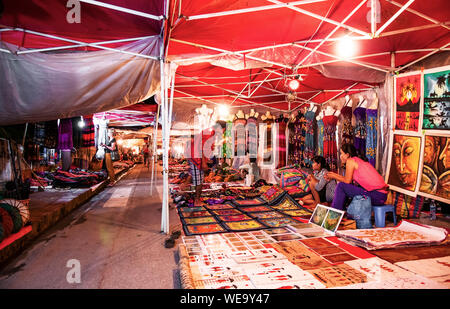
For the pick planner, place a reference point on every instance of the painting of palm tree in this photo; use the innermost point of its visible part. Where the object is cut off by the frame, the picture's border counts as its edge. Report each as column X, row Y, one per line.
column 437, row 101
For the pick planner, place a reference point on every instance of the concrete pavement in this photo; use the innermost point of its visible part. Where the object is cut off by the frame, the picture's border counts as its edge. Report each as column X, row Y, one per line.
column 115, row 237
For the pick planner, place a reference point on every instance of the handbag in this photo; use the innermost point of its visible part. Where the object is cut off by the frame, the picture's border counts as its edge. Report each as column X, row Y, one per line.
column 361, row 210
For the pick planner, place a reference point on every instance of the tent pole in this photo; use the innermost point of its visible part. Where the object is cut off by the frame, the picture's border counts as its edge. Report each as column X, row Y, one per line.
column 154, row 154
column 404, row 7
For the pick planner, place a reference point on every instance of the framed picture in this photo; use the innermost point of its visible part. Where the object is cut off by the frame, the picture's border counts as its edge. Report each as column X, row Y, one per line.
column 435, row 176
column 404, row 162
column 436, row 105
column 408, row 91
column 327, row 217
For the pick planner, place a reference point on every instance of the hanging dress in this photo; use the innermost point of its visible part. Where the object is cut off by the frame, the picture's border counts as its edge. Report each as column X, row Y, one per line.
column 360, row 130
column 252, row 137
column 240, row 136
column 320, row 129
column 228, row 143
column 88, row 132
column 371, row 140
column 347, row 128
column 65, row 133
column 282, row 124
column 102, row 135
column 309, row 138
column 295, row 140
column 329, row 141
column 268, row 150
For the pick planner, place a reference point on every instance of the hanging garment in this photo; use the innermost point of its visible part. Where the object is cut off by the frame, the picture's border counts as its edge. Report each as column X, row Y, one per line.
column 77, row 132
column 309, row 138
column 329, row 141
column 39, row 133
column 320, row 137
column 228, row 143
column 240, row 136
column 347, row 128
column 252, row 136
column 297, row 139
column 102, row 137
column 51, row 134
column 88, row 133
column 268, row 150
column 282, row 124
column 360, row 129
column 371, row 140
column 65, row 141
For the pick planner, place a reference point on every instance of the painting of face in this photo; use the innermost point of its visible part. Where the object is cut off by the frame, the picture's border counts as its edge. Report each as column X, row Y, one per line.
column 405, row 162
column 435, row 181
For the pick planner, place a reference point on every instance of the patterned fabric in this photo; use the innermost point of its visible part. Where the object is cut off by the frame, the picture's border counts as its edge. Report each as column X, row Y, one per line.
column 309, row 138
column 320, row 129
column 196, row 173
column 252, row 136
column 243, row 225
column 227, row 145
column 406, row 206
column 360, row 129
column 282, row 123
column 347, row 128
column 271, row 194
column 88, row 133
column 39, row 133
column 329, row 141
column 203, row 229
column 240, row 136
column 269, row 123
column 371, row 141
column 297, row 139
column 51, row 134
column 278, row 222
column 65, row 133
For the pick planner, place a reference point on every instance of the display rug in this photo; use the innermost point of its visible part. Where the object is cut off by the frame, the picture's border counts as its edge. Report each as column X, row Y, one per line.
column 281, row 258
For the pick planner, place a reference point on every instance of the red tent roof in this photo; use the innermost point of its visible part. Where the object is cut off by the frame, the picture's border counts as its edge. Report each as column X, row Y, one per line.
column 242, row 52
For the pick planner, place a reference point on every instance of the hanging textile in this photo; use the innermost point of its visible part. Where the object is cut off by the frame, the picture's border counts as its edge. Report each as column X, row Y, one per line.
column 320, row 129
column 39, row 133
column 347, row 128
column 76, row 137
column 296, row 139
column 88, row 133
column 240, row 135
column 268, row 151
column 102, row 137
column 65, row 141
column 329, row 141
column 252, row 138
column 51, row 134
column 228, row 144
column 282, row 124
column 309, row 138
column 371, row 141
column 360, row 129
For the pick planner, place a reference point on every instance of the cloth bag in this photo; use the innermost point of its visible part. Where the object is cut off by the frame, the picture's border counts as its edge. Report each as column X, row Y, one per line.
column 361, row 211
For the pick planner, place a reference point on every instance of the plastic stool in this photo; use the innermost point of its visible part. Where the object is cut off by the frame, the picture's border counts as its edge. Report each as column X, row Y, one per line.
column 380, row 214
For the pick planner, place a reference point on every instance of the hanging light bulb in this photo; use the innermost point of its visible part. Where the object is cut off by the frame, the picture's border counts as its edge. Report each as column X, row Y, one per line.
column 346, row 47
column 294, row 84
column 81, row 123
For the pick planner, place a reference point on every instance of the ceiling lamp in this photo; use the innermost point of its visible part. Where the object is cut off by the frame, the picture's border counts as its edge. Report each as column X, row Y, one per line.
column 294, row 84
column 223, row 112
column 346, row 47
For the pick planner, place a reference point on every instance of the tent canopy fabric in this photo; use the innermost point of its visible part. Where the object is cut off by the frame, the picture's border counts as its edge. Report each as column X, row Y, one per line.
column 240, row 53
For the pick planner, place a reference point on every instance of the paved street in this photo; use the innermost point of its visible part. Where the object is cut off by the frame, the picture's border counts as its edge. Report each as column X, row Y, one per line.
column 116, row 238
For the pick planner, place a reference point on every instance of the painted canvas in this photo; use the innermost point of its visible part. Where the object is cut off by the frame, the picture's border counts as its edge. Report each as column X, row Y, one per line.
column 436, row 167
column 407, row 102
column 437, row 101
column 404, row 166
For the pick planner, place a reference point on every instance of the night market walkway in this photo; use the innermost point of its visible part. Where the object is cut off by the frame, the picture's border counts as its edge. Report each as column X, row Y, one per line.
column 115, row 237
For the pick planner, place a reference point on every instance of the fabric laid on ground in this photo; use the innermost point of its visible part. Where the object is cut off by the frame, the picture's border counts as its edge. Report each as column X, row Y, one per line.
column 40, row 86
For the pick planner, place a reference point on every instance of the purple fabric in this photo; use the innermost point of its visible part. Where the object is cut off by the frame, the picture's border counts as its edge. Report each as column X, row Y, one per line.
column 344, row 190
column 65, row 141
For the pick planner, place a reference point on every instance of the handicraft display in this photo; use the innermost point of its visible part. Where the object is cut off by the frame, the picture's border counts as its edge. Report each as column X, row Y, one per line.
column 436, row 168
column 407, row 102
column 404, row 163
column 436, row 111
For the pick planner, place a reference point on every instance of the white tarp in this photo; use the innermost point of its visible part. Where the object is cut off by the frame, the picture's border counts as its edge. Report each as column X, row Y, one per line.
column 41, row 86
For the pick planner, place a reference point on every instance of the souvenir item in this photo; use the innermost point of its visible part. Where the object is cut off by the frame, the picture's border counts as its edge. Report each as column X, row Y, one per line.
column 436, row 110
column 200, row 220
column 243, row 225
column 436, row 168
column 203, row 229
column 226, row 212
column 266, row 215
column 404, row 163
column 195, row 214
column 339, row 275
column 271, row 194
column 219, row 206
column 255, row 209
column 277, row 222
column 300, row 255
column 249, row 202
column 408, row 91
column 403, row 235
column 233, row 218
